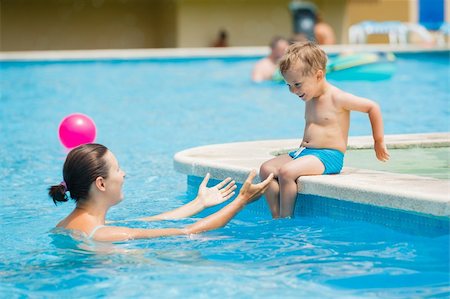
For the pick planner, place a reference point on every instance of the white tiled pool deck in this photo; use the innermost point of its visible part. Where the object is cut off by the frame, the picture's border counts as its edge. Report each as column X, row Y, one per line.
column 125, row 54
column 384, row 189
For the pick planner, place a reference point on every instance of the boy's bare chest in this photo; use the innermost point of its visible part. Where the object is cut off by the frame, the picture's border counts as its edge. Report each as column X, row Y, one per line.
column 321, row 113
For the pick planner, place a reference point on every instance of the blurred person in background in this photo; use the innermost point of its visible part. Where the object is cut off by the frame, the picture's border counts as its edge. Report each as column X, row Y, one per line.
column 265, row 68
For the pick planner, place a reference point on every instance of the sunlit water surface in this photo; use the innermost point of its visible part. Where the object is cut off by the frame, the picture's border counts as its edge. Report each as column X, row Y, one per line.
column 146, row 111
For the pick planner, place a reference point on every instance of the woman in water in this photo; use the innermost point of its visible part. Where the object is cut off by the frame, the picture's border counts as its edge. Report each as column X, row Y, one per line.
column 94, row 180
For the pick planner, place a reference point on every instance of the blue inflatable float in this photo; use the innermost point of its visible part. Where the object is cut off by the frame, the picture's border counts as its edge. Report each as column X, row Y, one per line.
column 360, row 66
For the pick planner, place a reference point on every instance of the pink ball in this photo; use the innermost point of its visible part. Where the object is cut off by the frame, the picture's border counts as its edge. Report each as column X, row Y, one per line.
column 76, row 129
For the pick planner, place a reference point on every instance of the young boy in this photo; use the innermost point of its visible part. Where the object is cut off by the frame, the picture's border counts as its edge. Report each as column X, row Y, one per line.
column 327, row 115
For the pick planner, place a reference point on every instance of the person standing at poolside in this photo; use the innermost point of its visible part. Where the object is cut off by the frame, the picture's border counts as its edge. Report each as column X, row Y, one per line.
column 327, row 116
column 94, row 180
column 222, row 39
column 323, row 32
column 265, row 68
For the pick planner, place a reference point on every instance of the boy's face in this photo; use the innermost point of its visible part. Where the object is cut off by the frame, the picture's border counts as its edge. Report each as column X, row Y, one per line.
column 305, row 87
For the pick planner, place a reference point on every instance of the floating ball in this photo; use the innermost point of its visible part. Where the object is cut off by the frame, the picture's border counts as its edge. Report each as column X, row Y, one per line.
column 76, row 129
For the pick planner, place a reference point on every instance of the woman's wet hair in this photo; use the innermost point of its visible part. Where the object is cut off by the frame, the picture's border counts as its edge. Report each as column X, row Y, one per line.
column 83, row 165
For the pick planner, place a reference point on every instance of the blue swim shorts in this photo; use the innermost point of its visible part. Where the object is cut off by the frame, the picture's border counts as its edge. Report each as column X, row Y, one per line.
column 332, row 159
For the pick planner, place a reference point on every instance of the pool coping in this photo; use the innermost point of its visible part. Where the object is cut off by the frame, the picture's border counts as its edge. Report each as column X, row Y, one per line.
column 411, row 193
column 137, row 54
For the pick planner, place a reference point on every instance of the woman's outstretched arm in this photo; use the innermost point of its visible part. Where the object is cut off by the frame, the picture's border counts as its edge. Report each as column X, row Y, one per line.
column 206, row 197
column 249, row 193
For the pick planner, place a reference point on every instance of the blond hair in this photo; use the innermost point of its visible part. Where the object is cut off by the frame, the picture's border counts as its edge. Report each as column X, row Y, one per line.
column 311, row 57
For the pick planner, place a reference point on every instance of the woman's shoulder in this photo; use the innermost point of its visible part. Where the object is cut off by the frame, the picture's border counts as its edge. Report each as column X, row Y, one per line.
column 80, row 223
column 62, row 223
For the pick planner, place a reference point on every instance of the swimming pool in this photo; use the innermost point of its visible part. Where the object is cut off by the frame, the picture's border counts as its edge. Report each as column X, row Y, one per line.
column 147, row 110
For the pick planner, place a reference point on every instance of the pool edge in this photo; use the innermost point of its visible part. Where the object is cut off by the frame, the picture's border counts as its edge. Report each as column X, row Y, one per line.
column 151, row 53
column 384, row 189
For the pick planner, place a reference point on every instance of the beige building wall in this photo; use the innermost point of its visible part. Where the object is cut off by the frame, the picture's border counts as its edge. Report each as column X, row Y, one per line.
column 119, row 24
column 334, row 12
column 247, row 22
column 87, row 24
column 447, row 10
column 165, row 23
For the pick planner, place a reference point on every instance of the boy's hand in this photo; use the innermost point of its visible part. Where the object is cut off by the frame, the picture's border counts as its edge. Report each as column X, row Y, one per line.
column 381, row 151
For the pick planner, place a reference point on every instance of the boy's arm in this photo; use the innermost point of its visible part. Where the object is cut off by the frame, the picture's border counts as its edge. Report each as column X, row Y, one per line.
column 354, row 103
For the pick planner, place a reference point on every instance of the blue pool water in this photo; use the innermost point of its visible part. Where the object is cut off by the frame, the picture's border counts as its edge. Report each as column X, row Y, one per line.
column 146, row 111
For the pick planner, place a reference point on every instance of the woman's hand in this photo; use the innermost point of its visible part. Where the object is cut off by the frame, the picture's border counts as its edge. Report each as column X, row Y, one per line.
column 209, row 197
column 251, row 192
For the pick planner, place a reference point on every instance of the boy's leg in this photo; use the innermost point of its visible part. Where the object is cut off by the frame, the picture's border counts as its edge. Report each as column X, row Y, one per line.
column 287, row 178
column 273, row 191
